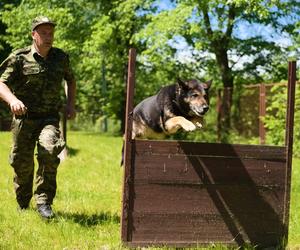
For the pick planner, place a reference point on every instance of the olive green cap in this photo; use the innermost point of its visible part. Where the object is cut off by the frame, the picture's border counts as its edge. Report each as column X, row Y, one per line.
column 41, row 20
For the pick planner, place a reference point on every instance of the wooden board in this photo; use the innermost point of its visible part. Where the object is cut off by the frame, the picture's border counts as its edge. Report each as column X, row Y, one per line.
column 206, row 193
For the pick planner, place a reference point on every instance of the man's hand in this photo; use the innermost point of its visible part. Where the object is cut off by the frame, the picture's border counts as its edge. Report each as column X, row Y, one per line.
column 17, row 107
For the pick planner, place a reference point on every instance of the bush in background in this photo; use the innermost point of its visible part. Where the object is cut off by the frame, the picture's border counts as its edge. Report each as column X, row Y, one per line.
column 275, row 121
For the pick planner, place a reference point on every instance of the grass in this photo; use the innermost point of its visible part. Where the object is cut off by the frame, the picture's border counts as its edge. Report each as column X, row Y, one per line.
column 88, row 201
column 294, row 229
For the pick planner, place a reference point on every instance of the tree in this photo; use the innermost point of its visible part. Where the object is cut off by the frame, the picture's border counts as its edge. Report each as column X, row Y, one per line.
column 4, row 46
column 108, row 47
column 73, row 18
column 4, row 51
column 275, row 120
column 97, row 34
column 202, row 39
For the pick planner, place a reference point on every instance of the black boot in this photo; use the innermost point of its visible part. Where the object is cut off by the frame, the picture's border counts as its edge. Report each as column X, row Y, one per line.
column 45, row 211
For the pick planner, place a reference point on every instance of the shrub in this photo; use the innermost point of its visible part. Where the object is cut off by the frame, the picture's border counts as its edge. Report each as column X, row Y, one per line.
column 276, row 117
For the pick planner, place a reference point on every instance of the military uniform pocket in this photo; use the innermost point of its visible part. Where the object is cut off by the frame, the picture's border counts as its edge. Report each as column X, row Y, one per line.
column 31, row 69
column 32, row 76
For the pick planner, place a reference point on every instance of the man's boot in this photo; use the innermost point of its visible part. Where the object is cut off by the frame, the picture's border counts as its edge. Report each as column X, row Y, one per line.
column 45, row 211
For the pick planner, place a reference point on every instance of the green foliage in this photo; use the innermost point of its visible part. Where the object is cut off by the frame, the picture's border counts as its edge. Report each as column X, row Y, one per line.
column 177, row 41
column 19, row 28
column 276, row 116
column 4, row 46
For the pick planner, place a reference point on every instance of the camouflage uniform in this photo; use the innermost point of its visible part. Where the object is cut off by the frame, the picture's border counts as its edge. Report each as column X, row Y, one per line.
column 37, row 82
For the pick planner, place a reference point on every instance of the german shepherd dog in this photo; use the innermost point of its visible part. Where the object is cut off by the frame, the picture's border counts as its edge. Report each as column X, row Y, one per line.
column 174, row 107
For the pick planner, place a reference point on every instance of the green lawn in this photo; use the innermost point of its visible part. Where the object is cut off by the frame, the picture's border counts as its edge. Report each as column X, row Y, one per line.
column 88, row 200
column 87, row 203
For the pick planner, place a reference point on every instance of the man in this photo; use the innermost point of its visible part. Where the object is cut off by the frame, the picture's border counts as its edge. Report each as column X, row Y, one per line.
column 31, row 84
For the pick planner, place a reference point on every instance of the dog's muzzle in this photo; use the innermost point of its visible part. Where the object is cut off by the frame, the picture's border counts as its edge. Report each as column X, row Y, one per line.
column 200, row 111
column 205, row 109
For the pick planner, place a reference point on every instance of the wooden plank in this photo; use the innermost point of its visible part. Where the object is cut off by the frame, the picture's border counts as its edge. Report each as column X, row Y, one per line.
column 227, row 197
column 179, row 169
column 290, row 105
column 289, row 137
column 203, row 228
column 221, row 212
column 227, row 194
column 152, row 147
column 127, row 201
column 213, row 199
column 225, row 189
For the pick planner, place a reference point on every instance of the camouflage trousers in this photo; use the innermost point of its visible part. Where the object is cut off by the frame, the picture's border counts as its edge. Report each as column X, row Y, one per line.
column 27, row 134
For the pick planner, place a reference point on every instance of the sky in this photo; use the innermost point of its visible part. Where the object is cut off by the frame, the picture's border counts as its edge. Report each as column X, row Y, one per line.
column 243, row 30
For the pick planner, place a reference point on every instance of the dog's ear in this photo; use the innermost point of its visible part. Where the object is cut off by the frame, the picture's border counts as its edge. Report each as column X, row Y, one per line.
column 207, row 84
column 182, row 84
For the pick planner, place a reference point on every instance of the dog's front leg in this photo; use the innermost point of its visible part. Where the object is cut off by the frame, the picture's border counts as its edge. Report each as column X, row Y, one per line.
column 173, row 124
column 198, row 121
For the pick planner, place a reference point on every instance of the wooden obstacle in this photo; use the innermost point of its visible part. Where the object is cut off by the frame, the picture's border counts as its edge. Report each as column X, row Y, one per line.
column 179, row 193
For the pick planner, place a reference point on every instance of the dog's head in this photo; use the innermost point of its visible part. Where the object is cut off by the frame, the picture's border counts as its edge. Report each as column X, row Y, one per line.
column 194, row 96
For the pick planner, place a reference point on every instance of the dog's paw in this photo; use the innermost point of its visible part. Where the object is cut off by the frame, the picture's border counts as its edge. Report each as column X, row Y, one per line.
column 189, row 126
column 199, row 125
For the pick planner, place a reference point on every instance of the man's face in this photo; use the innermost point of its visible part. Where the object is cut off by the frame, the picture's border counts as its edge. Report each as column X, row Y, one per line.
column 43, row 36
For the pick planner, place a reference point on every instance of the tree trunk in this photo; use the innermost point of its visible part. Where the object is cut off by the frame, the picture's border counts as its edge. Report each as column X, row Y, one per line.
column 224, row 113
column 219, row 43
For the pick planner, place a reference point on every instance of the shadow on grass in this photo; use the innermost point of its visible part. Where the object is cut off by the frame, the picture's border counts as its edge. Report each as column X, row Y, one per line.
column 86, row 220
column 72, row 151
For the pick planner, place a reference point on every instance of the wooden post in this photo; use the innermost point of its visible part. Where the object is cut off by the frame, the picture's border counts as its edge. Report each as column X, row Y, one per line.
column 262, row 113
column 289, row 132
column 128, row 169
column 290, row 105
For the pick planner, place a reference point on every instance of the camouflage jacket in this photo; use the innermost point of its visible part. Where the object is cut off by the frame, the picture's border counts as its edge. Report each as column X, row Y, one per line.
column 36, row 81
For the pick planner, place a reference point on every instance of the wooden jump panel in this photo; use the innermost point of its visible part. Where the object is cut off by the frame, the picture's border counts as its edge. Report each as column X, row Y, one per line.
column 197, row 196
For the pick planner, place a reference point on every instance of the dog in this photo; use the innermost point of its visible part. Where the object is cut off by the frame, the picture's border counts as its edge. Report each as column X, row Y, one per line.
column 180, row 106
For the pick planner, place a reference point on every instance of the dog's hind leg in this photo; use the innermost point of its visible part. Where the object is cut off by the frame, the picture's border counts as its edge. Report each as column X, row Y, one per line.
column 173, row 124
